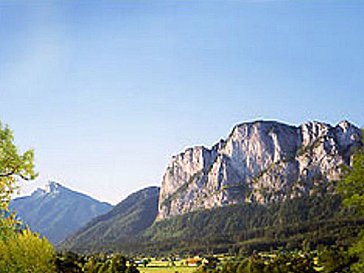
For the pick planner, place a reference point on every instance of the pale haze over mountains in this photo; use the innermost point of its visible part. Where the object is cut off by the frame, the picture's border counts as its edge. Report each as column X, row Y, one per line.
column 106, row 91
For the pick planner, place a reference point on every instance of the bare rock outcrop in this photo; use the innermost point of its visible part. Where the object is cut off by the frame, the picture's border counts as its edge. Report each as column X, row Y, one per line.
column 262, row 161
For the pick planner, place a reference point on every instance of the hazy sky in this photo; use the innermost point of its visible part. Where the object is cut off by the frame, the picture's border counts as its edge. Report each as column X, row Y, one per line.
column 107, row 91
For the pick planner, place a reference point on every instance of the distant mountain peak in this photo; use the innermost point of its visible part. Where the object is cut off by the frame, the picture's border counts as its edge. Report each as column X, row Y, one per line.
column 53, row 187
column 56, row 211
column 38, row 192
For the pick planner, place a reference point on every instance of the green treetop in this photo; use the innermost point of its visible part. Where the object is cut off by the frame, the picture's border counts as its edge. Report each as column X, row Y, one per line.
column 352, row 186
column 20, row 251
column 14, row 166
column 352, row 191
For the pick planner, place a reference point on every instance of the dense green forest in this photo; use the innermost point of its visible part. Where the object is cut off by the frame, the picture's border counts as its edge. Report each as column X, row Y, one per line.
column 320, row 219
column 248, row 227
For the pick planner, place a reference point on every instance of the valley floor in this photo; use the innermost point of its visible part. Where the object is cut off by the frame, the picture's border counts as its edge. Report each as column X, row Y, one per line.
column 167, row 269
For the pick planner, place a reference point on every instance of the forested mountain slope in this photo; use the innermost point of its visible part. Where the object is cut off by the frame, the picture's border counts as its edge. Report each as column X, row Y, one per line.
column 127, row 219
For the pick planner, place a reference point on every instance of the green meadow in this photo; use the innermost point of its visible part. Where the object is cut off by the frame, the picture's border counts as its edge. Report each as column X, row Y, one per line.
column 167, row 269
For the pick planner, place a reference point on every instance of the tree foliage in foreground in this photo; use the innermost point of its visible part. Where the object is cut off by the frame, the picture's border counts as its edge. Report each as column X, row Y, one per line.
column 352, row 190
column 21, row 251
column 26, row 252
column 13, row 167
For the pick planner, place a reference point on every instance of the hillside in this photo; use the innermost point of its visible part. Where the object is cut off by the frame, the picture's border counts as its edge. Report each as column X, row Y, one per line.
column 57, row 211
column 252, row 226
column 241, row 227
column 126, row 220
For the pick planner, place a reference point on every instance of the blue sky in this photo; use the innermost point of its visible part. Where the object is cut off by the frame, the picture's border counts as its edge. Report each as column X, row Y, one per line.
column 107, row 91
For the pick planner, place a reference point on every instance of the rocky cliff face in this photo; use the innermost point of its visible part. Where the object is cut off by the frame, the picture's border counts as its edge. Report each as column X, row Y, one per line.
column 262, row 162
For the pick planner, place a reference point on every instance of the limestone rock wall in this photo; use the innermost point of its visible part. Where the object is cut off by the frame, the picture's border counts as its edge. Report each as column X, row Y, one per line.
column 262, row 161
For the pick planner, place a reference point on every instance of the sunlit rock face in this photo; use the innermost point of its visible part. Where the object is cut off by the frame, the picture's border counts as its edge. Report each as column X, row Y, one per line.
column 262, row 161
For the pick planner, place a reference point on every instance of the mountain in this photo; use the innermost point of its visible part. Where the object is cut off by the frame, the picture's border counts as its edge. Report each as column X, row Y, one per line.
column 57, row 211
column 126, row 220
column 260, row 162
column 267, row 185
column 243, row 227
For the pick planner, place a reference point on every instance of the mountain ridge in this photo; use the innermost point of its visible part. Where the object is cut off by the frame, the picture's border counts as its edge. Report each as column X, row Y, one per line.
column 56, row 212
column 132, row 216
column 53, row 187
column 263, row 167
column 260, row 161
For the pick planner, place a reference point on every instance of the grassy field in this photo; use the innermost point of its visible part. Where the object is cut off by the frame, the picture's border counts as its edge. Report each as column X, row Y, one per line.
column 179, row 266
column 157, row 266
column 170, row 269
